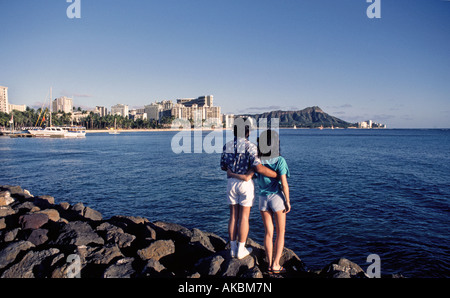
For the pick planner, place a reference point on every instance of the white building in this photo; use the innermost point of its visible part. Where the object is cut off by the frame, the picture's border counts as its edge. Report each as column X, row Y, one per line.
column 77, row 116
column 101, row 111
column 197, row 109
column 154, row 110
column 228, row 120
column 138, row 114
column 63, row 104
column 4, row 104
column 363, row 124
column 201, row 101
column 120, row 109
column 371, row 124
column 20, row 108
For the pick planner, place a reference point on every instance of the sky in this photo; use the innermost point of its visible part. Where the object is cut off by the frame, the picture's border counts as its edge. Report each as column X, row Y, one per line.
column 252, row 55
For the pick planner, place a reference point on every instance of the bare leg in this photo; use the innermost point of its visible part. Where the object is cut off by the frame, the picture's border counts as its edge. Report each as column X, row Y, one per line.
column 233, row 222
column 280, row 222
column 268, row 237
column 244, row 215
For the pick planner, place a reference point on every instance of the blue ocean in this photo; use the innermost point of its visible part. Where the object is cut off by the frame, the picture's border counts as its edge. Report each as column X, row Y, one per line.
column 353, row 192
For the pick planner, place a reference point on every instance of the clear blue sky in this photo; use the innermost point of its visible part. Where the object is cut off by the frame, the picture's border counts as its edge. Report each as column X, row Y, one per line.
column 252, row 55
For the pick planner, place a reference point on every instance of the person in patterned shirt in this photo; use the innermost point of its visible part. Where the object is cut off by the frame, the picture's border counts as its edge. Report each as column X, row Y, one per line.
column 239, row 156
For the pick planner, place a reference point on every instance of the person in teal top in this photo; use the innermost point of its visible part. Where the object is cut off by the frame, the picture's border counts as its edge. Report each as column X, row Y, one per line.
column 268, row 185
column 274, row 201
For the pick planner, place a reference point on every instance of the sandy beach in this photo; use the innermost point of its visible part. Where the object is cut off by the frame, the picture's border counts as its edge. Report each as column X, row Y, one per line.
column 142, row 130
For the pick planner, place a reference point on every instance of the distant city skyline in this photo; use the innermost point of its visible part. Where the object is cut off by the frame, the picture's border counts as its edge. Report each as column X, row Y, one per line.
column 254, row 56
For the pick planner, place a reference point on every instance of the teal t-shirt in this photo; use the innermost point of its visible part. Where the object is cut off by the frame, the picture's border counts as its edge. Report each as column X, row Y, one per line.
column 272, row 185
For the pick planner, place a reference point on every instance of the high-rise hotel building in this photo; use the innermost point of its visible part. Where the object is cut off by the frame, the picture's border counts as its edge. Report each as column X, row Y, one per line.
column 63, row 104
column 120, row 109
column 4, row 104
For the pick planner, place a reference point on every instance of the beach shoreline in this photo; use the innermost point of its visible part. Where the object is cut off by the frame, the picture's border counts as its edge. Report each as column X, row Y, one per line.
column 147, row 130
column 194, row 129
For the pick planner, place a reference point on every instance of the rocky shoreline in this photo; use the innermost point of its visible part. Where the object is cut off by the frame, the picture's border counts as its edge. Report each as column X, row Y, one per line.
column 42, row 239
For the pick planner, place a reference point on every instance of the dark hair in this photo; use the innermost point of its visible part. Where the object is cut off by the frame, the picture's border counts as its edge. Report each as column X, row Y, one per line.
column 269, row 144
column 241, row 127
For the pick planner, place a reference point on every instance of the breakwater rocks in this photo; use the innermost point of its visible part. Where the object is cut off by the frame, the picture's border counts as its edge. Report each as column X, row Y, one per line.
column 42, row 239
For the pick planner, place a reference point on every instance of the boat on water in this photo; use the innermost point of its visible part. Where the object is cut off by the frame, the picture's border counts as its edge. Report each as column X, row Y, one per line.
column 75, row 131
column 59, row 132
column 49, row 132
column 55, row 131
column 114, row 131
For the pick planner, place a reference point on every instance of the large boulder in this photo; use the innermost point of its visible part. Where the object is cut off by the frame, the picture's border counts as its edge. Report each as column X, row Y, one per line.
column 78, row 233
column 38, row 236
column 154, row 268
column 33, row 264
column 5, row 198
column 209, row 266
column 10, row 252
column 134, row 225
column 6, row 210
column 157, row 250
column 52, row 214
column 16, row 191
column 44, row 201
column 114, row 234
column 92, row 214
column 173, row 231
column 10, row 235
column 104, row 255
column 123, row 268
column 342, row 268
column 33, row 221
column 86, row 212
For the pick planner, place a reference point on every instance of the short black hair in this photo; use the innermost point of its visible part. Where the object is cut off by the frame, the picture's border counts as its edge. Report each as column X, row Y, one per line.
column 241, row 127
column 269, row 144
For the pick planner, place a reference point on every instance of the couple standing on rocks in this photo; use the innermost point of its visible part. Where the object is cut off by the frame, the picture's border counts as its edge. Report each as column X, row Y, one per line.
column 243, row 160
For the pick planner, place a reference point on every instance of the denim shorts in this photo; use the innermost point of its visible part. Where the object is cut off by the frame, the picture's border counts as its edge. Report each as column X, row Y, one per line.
column 272, row 202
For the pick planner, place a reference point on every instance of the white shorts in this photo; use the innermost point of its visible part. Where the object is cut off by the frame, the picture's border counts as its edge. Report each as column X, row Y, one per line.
column 240, row 192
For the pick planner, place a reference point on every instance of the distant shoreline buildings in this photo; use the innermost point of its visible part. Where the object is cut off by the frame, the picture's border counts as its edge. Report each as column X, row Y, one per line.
column 62, row 104
column 196, row 110
column 370, row 124
column 7, row 107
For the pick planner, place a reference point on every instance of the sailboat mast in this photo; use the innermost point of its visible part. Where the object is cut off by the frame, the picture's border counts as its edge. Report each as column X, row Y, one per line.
column 50, row 108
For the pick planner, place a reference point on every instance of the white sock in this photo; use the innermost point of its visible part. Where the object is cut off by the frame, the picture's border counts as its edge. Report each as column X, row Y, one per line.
column 241, row 245
column 243, row 251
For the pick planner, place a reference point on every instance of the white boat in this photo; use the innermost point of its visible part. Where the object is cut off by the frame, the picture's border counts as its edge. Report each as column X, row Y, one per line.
column 59, row 132
column 52, row 132
column 56, row 131
column 114, row 131
column 75, row 131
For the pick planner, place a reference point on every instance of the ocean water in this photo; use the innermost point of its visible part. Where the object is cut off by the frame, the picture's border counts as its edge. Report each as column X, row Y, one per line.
column 353, row 192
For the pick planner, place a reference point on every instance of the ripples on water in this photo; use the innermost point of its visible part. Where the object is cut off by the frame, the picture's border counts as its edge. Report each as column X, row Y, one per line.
column 353, row 192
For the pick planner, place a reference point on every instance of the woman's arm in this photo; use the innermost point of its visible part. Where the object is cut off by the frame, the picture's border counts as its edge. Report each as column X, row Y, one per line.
column 246, row 177
column 285, row 188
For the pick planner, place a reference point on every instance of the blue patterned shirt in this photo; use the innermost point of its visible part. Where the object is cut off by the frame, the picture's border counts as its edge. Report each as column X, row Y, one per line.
column 239, row 156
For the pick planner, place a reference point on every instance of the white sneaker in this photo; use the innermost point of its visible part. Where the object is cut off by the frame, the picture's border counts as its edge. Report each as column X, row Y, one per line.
column 233, row 249
column 242, row 253
column 233, row 252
